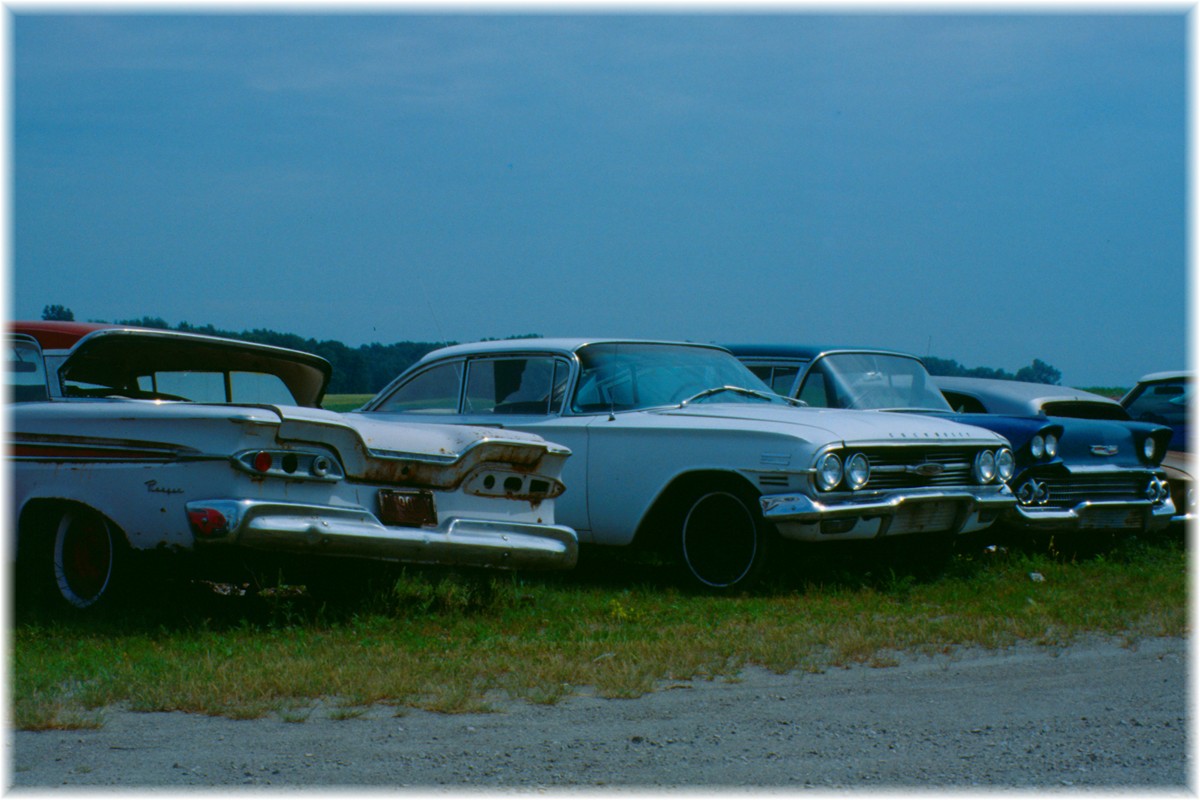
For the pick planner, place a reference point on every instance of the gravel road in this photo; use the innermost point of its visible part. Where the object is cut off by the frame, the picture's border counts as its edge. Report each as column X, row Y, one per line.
column 1093, row 715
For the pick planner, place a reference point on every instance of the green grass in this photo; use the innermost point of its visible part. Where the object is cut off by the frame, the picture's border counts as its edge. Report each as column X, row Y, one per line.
column 344, row 402
column 455, row 642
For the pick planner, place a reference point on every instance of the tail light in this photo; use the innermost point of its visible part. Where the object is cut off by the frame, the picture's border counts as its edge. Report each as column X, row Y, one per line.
column 292, row 464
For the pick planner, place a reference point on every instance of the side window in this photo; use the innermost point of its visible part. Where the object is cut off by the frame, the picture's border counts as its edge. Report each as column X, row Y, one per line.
column 762, row 373
column 782, row 379
column 434, row 391
column 814, row 391
column 514, row 386
column 964, row 403
column 26, row 372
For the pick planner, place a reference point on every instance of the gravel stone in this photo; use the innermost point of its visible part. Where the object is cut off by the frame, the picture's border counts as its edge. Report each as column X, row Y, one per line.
column 1096, row 714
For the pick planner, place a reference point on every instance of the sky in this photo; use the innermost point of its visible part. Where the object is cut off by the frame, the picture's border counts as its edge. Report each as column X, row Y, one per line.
column 987, row 187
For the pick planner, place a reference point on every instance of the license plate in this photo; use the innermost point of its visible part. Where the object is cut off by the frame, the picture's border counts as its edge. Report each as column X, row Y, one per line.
column 923, row 517
column 1111, row 518
column 410, row 508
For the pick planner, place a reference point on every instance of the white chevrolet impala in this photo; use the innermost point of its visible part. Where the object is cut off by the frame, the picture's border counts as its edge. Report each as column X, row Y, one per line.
column 680, row 446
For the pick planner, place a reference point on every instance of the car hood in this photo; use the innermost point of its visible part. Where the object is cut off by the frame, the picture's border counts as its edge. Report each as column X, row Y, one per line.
column 825, row 424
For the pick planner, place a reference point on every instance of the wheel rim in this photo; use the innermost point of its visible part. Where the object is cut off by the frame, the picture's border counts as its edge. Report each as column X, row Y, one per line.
column 720, row 540
column 83, row 558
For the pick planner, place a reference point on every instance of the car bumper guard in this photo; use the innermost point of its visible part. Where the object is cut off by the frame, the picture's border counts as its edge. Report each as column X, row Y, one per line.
column 800, row 517
column 356, row 533
column 1096, row 515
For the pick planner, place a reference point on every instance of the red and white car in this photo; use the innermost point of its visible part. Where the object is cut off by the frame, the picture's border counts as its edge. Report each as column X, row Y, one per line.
column 130, row 442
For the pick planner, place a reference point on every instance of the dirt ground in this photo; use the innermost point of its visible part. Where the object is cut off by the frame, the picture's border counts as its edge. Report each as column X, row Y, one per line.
column 1096, row 714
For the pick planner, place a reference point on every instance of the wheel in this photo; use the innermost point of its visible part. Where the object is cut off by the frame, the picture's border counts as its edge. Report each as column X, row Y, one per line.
column 83, row 557
column 722, row 539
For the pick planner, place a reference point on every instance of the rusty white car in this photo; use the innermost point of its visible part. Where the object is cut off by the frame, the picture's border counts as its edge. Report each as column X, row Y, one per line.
column 679, row 446
column 128, row 443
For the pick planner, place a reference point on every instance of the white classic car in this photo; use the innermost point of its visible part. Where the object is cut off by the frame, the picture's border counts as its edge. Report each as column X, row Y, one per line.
column 678, row 445
column 126, row 441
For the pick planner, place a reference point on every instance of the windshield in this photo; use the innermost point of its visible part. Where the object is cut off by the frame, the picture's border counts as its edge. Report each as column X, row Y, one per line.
column 871, row 381
column 622, row 377
column 1164, row 402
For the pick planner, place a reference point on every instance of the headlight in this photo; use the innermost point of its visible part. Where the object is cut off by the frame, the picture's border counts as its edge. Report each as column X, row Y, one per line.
column 1051, row 445
column 1037, row 446
column 829, row 471
column 985, row 466
column 1148, row 449
column 1006, row 463
column 858, row 471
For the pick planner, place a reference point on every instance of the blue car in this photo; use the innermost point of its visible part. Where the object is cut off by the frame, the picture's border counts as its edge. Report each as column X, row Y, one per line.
column 1070, row 473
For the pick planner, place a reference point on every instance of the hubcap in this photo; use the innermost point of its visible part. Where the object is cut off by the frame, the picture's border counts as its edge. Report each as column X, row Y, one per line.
column 82, row 559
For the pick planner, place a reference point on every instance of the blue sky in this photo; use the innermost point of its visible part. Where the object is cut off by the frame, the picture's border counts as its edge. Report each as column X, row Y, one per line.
column 991, row 188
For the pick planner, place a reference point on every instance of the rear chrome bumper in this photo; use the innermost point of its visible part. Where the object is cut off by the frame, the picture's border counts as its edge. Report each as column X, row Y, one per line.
column 893, row 513
column 356, row 533
column 1096, row 515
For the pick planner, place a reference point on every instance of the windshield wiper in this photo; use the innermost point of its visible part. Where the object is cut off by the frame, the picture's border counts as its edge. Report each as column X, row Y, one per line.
column 741, row 390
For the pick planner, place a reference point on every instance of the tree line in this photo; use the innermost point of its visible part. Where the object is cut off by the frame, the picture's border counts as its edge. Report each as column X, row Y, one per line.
column 368, row 368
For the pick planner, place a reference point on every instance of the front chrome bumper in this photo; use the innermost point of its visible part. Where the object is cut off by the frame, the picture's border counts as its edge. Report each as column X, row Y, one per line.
column 892, row 513
column 348, row 532
column 1096, row 515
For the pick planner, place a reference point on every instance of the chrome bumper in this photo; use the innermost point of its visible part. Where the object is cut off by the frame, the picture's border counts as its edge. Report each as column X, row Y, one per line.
column 356, row 533
column 874, row 515
column 1096, row 515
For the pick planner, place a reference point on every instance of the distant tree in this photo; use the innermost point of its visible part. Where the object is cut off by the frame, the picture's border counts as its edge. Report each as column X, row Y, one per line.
column 145, row 322
column 58, row 313
column 1039, row 372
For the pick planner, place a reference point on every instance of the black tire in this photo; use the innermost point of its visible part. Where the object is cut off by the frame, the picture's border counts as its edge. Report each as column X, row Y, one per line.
column 721, row 541
column 78, row 559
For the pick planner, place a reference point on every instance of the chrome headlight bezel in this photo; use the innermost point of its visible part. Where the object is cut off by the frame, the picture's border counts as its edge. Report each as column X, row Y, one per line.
column 1006, row 464
column 985, row 466
column 829, row 472
column 1037, row 446
column 857, row 471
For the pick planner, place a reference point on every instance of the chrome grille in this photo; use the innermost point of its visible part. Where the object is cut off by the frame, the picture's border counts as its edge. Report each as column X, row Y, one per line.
column 892, row 468
column 1069, row 492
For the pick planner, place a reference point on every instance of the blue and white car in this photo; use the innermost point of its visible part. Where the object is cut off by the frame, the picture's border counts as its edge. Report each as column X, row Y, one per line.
column 1072, row 472
column 678, row 446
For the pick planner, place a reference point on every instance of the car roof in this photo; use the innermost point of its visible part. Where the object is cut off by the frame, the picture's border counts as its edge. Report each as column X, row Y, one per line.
column 805, row 351
column 96, row 349
column 1173, row 375
column 561, row 345
column 57, row 335
column 1019, row 390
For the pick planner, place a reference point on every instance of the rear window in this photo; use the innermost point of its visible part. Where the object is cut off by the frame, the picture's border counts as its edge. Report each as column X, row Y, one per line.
column 1082, row 409
column 217, row 387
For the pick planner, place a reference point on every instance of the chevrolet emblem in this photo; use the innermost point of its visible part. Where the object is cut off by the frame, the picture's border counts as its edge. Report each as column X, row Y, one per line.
column 1104, row 450
column 928, row 470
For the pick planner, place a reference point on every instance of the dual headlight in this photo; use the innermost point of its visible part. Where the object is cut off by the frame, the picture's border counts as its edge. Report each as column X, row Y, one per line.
column 831, row 470
column 1149, row 449
column 998, row 465
column 1044, row 445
